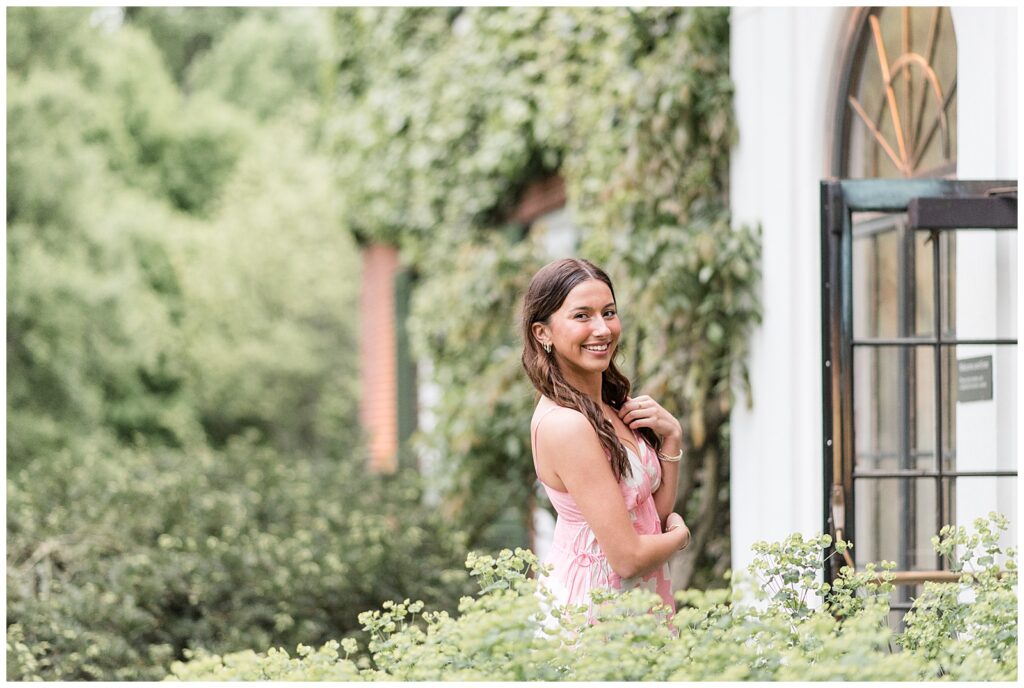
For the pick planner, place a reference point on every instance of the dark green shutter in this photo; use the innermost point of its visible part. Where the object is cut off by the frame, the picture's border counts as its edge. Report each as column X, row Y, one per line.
column 405, row 368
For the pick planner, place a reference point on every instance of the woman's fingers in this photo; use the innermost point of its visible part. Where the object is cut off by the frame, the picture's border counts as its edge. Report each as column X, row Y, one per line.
column 638, row 407
column 645, row 412
column 641, row 423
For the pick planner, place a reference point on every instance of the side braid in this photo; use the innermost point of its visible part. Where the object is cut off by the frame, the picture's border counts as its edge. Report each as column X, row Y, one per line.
column 564, row 394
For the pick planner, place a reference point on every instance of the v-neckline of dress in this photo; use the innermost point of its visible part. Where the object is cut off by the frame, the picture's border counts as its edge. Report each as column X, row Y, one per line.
column 636, row 449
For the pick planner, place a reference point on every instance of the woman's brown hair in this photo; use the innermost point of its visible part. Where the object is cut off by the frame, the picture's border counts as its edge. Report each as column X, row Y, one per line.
column 544, row 296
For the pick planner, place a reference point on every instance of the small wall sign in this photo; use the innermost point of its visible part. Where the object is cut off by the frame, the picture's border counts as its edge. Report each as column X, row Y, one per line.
column 974, row 379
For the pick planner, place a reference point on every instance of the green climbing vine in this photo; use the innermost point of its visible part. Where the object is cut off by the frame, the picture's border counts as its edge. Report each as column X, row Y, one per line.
column 444, row 115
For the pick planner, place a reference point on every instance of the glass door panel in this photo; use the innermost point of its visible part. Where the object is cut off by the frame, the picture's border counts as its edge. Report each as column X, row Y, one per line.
column 979, row 284
column 976, row 496
column 895, row 521
column 894, row 408
column 979, row 430
column 892, row 278
column 922, row 326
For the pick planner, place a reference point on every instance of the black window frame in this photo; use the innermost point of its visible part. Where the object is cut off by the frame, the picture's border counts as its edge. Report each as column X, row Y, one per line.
column 936, row 205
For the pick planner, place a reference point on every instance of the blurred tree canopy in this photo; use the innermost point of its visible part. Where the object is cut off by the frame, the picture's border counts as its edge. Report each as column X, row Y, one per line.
column 176, row 270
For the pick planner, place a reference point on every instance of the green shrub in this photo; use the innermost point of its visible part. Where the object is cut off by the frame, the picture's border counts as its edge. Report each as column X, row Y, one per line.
column 979, row 613
column 119, row 560
column 794, row 628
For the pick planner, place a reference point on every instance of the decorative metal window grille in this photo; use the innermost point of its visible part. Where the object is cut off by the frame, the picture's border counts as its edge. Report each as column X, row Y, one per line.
column 898, row 102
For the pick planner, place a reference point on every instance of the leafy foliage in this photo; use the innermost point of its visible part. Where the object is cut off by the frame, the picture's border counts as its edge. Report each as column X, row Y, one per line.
column 87, row 328
column 269, row 64
column 121, row 559
column 183, row 35
column 485, row 282
column 444, row 116
column 176, row 269
column 513, row 631
column 184, row 462
column 982, row 622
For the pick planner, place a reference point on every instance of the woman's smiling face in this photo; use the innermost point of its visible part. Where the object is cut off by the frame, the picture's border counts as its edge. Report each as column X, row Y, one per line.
column 585, row 330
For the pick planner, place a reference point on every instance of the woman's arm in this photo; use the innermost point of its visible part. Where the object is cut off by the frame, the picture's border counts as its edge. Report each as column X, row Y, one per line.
column 576, row 456
column 644, row 412
column 665, row 495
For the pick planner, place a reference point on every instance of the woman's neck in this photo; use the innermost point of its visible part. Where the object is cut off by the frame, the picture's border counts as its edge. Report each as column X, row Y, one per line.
column 591, row 385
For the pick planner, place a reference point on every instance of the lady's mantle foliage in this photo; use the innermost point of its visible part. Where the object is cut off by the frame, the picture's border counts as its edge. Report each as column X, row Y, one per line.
column 796, row 629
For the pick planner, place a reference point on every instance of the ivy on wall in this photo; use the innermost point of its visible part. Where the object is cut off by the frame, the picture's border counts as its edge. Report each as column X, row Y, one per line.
column 444, row 115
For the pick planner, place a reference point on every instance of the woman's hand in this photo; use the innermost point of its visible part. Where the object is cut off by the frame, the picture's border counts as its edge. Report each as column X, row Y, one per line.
column 675, row 521
column 644, row 412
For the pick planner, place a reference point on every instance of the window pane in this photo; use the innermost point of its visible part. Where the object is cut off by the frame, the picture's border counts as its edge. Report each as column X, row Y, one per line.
column 895, row 520
column 894, row 407
column 980, row 294
column 875, row 280
column 979, row 424
column 976, row 497
column 923, row 260
column 892, row 278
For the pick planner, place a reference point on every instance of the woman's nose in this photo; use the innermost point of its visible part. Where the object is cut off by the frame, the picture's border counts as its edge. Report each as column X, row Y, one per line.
column 601, row 328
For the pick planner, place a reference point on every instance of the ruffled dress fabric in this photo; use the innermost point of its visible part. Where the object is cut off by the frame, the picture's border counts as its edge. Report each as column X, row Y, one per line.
column 578, row 563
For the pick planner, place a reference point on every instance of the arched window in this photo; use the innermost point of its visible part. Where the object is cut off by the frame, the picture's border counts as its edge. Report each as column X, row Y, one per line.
column 897, row 104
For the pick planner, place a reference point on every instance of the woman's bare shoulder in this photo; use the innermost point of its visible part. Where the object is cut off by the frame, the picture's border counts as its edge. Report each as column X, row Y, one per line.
column 560, row 424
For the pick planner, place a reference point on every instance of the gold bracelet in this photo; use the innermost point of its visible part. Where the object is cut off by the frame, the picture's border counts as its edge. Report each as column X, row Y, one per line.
column 671, row 459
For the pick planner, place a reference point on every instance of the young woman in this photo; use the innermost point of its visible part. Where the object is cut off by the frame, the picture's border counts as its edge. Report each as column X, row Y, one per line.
column 608, row 462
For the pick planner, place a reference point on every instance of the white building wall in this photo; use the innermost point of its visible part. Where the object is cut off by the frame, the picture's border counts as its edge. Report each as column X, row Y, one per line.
column 783, row 64
column 987, row 149
column 782, row 67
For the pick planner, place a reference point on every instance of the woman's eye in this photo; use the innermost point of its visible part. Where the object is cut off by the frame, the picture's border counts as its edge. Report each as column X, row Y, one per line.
column 609, row 314
column 580, row 315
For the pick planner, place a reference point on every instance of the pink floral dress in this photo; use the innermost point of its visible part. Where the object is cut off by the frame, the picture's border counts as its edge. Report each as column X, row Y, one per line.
column 578, row 563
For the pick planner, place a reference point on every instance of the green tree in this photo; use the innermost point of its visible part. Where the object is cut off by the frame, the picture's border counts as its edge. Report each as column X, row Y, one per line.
column 271, row 285
column 182, row 34
column 130, row 206
column 268, row 65
column 89, row 329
